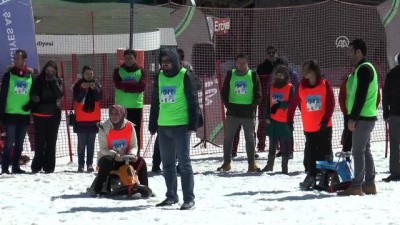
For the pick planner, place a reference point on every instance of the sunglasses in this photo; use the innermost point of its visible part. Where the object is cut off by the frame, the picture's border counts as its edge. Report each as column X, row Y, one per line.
column 271, row 53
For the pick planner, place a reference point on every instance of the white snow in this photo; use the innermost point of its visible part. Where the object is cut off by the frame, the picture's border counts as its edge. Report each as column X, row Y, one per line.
column 235, row 197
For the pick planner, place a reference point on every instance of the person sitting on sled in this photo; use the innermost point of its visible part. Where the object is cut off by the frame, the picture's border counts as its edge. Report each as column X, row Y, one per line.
column 115, row 132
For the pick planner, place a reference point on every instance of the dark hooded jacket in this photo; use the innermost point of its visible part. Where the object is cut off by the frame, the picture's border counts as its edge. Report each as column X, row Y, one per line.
column 195, row 120
column 391, row 93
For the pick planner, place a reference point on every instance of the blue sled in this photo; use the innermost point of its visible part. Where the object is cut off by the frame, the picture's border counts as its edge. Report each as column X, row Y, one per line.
column 342, row 168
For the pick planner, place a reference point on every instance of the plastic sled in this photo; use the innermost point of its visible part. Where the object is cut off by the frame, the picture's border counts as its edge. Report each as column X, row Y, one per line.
column 334, row 176
column 123, row 182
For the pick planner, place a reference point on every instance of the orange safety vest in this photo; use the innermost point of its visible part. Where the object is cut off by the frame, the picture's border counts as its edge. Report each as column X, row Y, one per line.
column 119, row 140
column 82, row 116
column 313, row 105
column 282, row 95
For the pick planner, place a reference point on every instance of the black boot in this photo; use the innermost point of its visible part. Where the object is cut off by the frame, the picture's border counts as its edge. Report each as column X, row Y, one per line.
column 270, row 164
column 285, row 161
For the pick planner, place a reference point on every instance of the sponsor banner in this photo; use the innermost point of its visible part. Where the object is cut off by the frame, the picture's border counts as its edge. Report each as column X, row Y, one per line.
column 83, row 44
column 17, row 32
column 221, row 26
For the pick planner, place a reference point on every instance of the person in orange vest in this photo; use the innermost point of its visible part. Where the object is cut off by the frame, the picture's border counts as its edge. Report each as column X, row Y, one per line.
column 117, row 137
column 315, row 97
column 87, row 95
column 277, row 101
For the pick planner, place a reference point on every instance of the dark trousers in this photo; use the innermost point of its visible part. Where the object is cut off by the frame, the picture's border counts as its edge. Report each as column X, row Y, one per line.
column 135, row 116
column 235, row 142
column 15, row 135
column 156, row 154
column 86, row 141
column 107, row 163
column 264, row 79
column 284, row 146
column 346, row 140
column 319, row 146
column 46, row 130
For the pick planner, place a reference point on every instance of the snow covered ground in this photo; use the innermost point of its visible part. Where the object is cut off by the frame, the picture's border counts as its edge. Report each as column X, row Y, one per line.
column 235, row 197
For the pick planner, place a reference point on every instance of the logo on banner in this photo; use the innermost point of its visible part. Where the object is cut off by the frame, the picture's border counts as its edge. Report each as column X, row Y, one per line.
column 221, row 26
column 342, row 42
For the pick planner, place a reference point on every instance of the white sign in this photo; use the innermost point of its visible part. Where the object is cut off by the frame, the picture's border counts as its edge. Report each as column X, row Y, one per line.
column 221, row 25
column 83, row 44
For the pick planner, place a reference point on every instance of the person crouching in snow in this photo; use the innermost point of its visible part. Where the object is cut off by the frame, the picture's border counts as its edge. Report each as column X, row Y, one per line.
column 113, row 133
column 317, row 103
column 278, row 97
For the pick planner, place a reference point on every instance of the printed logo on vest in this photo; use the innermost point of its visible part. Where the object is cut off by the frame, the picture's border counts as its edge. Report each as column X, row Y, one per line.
column 314, row 103
column 132, row 78
column 119, row 145
column 168, row 94
column 21, row 87
column 277, row 97
column 241, row 87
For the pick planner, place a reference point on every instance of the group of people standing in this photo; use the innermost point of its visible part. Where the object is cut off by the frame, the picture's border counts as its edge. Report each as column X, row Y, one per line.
column 314, row 97
column 175, row 118
column 23, row 93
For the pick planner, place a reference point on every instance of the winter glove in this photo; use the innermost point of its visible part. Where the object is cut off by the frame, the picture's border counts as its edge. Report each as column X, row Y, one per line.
column 323, row 126
column 275, row 107
column 35, row 98
column 26, row 107
column 50, row 77
column 290, row 125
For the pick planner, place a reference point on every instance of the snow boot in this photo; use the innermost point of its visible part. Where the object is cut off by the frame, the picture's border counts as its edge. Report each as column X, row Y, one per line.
column 270, row 164
column 253, row 167
column 226, row 166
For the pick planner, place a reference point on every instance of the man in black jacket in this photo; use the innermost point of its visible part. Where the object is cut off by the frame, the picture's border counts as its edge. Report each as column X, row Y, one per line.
column 15, row 109
column 361, row 108
column 240, row 94
column 174, row 115
column 391, row 114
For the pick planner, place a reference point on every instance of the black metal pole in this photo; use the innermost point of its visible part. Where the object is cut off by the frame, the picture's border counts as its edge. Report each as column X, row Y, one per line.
column 131, row 24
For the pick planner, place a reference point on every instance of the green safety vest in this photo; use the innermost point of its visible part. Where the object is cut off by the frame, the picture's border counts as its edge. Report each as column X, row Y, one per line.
column 173, row 102
column 18, row 94
column 241, row 88
column 127, row 99
column 369, row 108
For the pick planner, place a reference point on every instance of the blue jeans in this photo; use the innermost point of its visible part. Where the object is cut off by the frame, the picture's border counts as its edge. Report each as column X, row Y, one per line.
column 175, row 141
column 86, row 141
column 15, row 135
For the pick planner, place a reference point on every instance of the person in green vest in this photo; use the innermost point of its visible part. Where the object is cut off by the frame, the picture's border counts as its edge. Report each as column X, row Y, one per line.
column 174, row 115
column 362, row 88
column 130, row 81
column 15, row 110
column 241, row 94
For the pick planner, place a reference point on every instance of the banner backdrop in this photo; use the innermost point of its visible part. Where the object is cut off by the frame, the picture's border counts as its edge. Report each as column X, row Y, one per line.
column 17, row 32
